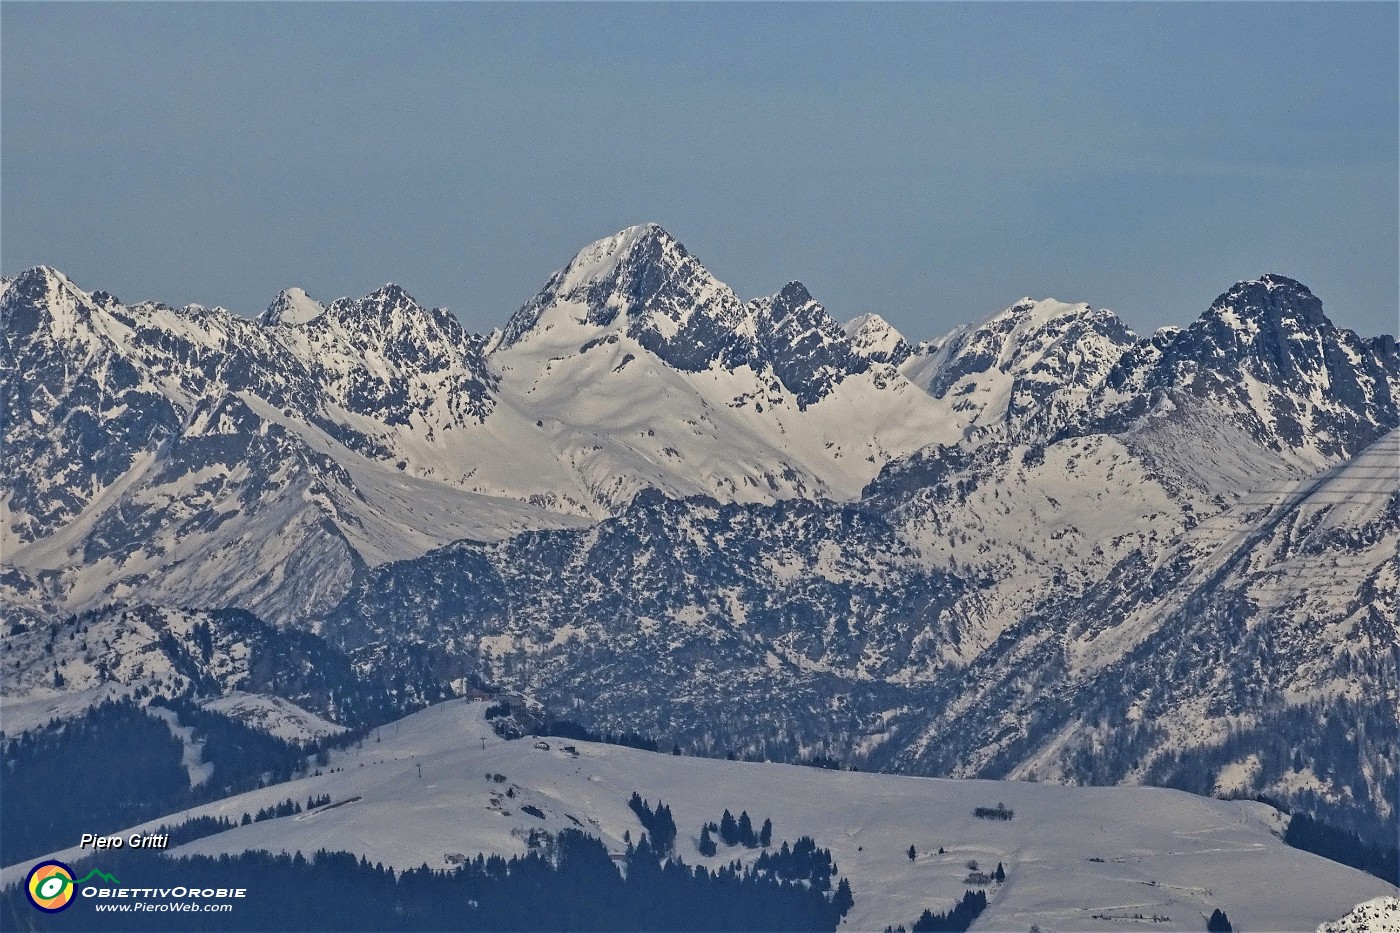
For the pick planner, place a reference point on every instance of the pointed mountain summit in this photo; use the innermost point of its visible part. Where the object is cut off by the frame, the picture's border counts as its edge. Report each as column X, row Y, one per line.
column 387, row 305
column 877, row 340
column 643, row 282
column 388, row 357
column 1267, row 359
column 803, row 344
column 292, row 307
column 42, row 294
column 1274, row 326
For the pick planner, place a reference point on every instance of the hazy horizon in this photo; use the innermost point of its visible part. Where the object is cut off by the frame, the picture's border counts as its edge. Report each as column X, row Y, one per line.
column 930, row 163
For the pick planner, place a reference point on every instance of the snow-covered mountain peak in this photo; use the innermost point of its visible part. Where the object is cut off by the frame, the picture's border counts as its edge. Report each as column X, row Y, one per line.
column 293, row 307
column 39, row 278
column 793, row 295
column 1268, row 364
column 1031, row 312
column 43, row 303
column 642, row 282
column 600, row 260
column 793, row 309
column 1028, row 365
column 877, row 340
column 390, row 317
column 39, row 293
column 801, row 343
column 1273, row 329
column 387, row 302
column 1270, row 302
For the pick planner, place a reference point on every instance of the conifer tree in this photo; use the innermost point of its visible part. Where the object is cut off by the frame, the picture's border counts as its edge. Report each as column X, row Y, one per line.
column 843, row 900
column 746, row 834
column 1219, row 922
column 728, row 829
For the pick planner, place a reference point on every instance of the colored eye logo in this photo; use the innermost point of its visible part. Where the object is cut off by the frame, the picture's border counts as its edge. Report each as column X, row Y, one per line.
column 50, row 886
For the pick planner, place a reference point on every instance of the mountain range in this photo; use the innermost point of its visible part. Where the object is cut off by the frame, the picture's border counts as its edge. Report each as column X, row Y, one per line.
column 1040, row 546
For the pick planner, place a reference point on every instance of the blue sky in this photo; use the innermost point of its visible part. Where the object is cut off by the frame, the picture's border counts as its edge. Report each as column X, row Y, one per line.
column 930, row 162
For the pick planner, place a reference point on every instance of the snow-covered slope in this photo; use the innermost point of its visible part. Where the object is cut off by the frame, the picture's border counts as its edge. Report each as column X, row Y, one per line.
column 1255, row 655
column 991, row 606
column 274, row 715
column 292, row 306
column 186, row 456
column 1075, row 858
column 876, row 339
column 373, row 429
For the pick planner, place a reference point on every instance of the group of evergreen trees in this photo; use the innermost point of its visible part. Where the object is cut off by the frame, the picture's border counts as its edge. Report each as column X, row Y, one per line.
column 957, row 920
column 110, row 768
column 734, row 832
column 659, row 822
column 1317, row 837
column 803, row 862
column 1000, row 812
column 200, row 826
column 287, row 807
column 196, row 828
column 115, row 765
column 568, row 729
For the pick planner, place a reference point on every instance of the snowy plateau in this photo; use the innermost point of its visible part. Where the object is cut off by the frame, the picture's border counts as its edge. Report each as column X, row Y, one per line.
column 1041, row 550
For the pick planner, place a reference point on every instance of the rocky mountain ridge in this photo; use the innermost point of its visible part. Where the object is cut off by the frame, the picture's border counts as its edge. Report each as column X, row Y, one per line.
column 1038, row 546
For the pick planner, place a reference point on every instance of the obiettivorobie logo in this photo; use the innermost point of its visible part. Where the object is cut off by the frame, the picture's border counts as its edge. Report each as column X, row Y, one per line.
column 50, row 885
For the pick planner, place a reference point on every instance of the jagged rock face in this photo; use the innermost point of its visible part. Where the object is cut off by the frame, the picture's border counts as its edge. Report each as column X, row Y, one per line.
column 78, row 414
column 673, row 604
column 386, row 357
column 648, row 372
column 647, row 285
column 187, row 454
column 1024, row 371
column 1266, row 357
column 982, row 555
column 806, row 349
